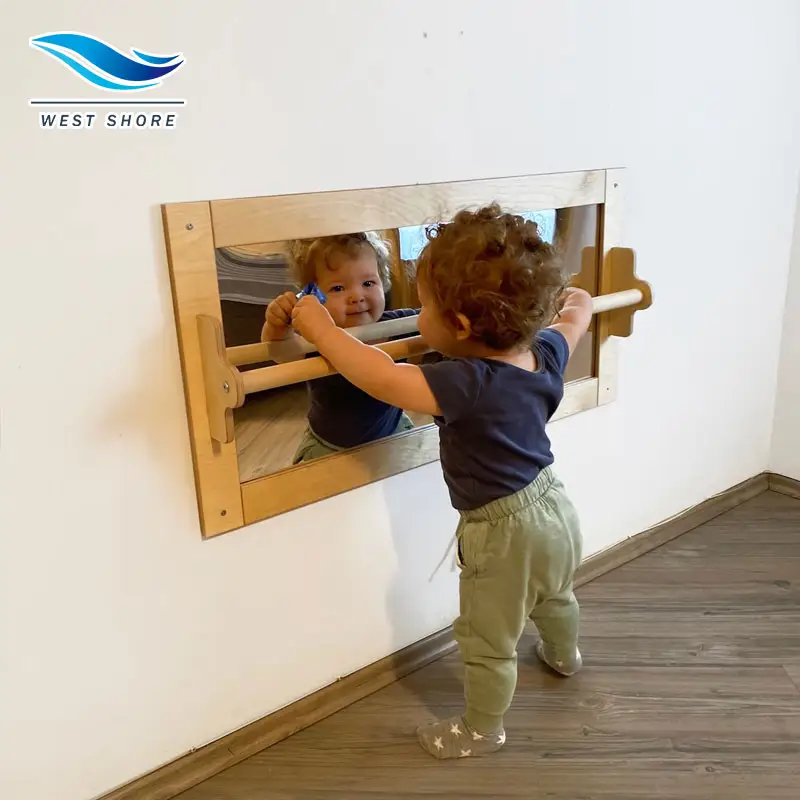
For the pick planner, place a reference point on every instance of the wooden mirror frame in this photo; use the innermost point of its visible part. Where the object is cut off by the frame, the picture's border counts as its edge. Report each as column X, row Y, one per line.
column 194, row 230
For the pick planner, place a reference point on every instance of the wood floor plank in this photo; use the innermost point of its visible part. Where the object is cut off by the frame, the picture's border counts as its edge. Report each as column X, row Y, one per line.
column 793, row 671
column 690, row 691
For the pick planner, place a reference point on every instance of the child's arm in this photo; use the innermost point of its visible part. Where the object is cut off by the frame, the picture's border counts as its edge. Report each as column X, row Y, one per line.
column 278, row 318
column 574, row 317
column 372, row 370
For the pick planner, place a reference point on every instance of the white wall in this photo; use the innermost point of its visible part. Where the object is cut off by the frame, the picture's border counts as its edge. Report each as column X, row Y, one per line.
column 126, row 639
column 785, row 456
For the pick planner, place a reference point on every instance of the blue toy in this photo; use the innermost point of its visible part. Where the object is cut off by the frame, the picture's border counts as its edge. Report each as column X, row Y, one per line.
column 314, row 290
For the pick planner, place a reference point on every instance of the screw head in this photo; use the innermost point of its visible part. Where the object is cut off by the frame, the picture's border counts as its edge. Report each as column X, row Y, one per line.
column 223, row 513
column 189, row 226
column 226, row 387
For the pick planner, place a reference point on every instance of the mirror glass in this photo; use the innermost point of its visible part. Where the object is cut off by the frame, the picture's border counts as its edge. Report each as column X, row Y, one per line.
column 272, row 428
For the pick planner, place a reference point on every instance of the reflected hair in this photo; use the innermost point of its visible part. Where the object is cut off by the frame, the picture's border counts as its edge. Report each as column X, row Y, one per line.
column 494, row 268
column 306, row 256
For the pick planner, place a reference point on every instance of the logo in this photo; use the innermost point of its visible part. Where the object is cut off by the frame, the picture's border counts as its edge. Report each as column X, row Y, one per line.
column 104, row 67
column 142, row 72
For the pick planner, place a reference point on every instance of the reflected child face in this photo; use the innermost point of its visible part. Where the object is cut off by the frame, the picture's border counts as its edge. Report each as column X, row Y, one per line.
column 353, row 288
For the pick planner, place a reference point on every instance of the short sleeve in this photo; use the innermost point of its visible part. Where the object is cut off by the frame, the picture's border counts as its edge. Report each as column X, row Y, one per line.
column 456, row 385
column 399, row 313
column 554, row 349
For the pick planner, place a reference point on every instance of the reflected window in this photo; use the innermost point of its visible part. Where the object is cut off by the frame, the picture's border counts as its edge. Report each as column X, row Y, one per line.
column 413, row 238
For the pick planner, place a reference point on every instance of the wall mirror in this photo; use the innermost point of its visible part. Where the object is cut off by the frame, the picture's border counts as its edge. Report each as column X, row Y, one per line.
column 230, row 258
column 270, row 429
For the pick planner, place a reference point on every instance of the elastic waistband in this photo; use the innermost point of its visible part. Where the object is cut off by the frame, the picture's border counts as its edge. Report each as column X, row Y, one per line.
column 324, row 443
column 506, row 506
column 404, row 418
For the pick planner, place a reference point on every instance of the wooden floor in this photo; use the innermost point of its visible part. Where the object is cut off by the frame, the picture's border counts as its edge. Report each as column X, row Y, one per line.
column 691, row 689
column 270, row 427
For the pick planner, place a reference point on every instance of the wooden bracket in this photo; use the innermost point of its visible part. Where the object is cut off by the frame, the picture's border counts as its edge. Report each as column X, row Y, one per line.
column 223, row 382
column 621, row 266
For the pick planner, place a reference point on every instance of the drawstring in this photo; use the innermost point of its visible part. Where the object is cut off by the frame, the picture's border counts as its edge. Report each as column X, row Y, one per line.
column 454, row 565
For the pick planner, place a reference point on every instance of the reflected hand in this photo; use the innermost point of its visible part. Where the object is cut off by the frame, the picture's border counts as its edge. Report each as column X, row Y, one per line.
column 279, row 317
column 311, row 319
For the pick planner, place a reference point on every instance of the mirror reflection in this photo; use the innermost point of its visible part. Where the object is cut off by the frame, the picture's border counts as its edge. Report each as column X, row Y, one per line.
column 367, row 277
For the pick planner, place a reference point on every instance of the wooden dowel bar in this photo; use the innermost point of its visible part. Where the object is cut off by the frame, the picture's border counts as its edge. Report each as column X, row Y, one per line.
column 255, row 353
column 611, row 302
column 295, row 347
column 258, row 380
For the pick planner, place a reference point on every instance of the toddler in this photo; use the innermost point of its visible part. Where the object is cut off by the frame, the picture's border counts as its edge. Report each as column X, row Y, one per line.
column 496, row 304
column 352, row 270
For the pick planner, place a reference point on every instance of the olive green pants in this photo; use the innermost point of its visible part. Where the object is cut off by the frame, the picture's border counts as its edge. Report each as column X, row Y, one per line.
column 311, row 446
column 518, row 557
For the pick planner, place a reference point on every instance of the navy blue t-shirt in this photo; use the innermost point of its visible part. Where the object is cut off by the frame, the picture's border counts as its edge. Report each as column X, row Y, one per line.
column 492, row 437
column 345, row 416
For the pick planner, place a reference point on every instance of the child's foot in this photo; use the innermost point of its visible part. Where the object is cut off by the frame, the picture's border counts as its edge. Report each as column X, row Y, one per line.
column 453, row 738
column 565, row 668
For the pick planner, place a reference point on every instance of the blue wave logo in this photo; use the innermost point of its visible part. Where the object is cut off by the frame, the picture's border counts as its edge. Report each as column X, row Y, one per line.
column 104, row 66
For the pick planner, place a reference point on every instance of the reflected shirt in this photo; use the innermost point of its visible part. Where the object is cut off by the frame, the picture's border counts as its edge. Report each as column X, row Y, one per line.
column 343, row 415
column 492, row 438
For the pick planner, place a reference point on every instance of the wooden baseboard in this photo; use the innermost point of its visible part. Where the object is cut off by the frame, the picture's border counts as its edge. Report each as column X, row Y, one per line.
column 784, row 485
column 635, row 546
column 201, row 764
column 193, row 768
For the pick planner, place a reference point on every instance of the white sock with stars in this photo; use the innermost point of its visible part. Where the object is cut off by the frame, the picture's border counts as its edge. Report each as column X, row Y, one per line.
column 453, row 738
column 562, row 667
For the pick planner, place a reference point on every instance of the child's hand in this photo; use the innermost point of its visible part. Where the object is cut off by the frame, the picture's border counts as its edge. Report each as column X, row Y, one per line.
column 573, row 297
column 311, row 319
column 574, row 316
column 279, row 317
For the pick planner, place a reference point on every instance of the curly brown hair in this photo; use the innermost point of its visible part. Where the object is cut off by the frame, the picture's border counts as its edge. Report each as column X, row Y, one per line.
column 494, row 268
column 306, row 255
